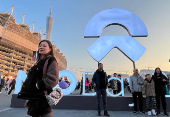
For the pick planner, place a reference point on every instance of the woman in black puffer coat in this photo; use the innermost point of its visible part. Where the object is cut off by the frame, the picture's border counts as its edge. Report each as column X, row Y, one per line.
column 160, row 89
column 35, row 88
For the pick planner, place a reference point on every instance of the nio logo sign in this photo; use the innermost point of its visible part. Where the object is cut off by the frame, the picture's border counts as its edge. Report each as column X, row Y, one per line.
column 126, row 44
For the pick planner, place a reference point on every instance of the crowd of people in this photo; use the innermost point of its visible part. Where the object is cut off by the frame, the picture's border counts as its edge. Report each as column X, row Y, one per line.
column 114, row 88
column 153, row 87
column 8, row 85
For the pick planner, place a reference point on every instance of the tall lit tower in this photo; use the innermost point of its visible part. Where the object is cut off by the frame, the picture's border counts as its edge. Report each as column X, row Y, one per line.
column 49, row 25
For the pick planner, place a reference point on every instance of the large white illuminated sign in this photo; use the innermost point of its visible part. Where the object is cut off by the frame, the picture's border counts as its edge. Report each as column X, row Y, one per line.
column 122, row 87
column 128, row 45
column 21, row 76
column 89, row 94
column 73, row 81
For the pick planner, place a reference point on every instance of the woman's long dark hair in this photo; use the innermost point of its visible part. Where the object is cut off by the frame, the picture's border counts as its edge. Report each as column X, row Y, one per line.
column 155, row 74
column 50, row 53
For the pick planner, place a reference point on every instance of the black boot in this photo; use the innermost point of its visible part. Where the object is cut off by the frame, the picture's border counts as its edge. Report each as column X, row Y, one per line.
column 165, row 113
column 158, row 112
column 106, row 113
column 99, row 113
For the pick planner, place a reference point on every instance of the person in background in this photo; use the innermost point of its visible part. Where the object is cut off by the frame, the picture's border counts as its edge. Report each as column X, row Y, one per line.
column 115, row 84
column 78, row 86
column 2, row 84
column 136, row 82
column 111, row 87
column 61, row 79
column 115, row 75
column 168, row 85
column 126, row 85
column 160, row 88
column 7, row 82
column 90, row 87
column 87, row 85
column 66, row 80
column 148, row 90
column 119, row 84
column 0, row 77
column 12, row 86
column 115, row 90
column 100, row 82
column 81, row 90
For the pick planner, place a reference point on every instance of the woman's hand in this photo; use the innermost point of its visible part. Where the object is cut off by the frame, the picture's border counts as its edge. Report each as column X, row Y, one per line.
column 164, row 80
column 26, row 106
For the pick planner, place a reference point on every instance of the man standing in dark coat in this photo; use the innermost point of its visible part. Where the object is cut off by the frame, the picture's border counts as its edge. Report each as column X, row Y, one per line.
column 100, row 82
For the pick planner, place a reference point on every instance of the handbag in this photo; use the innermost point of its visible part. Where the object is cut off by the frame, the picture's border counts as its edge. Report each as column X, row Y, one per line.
column 55, row 96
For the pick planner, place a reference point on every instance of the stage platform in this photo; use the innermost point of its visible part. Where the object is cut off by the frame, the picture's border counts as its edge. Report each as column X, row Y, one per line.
column 88, row 103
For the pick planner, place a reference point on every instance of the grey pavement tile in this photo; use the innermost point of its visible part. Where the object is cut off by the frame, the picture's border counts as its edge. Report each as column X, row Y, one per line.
column 22, row 112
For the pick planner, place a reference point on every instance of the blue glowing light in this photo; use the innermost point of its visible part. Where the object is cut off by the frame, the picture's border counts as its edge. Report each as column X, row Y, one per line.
column 73, row 82
column 21, row 76
column 122, row 87
column 87, row 94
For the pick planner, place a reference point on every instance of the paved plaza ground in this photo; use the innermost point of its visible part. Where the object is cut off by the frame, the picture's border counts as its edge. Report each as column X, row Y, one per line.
column 6, row 111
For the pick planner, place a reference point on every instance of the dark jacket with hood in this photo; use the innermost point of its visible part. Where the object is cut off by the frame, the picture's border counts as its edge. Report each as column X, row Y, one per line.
column 160, row 85
column 34, row 86
column 96, row 79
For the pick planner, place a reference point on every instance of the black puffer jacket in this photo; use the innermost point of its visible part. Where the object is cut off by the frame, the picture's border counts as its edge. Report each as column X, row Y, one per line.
column 37, row 104
column 35, row 75
column 160, row 85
